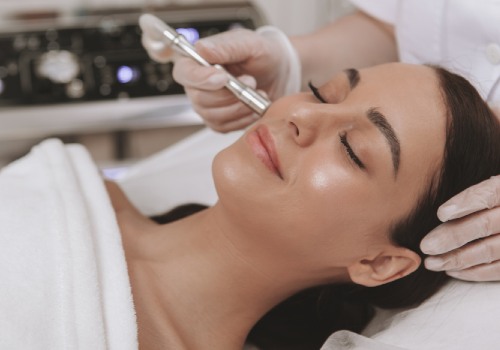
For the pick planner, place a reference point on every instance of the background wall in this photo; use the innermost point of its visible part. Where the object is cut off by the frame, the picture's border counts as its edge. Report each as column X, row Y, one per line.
column 292, row 16
column 299, row 16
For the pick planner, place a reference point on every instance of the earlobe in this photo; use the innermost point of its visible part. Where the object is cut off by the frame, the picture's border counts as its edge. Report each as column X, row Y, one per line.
column 388, row 266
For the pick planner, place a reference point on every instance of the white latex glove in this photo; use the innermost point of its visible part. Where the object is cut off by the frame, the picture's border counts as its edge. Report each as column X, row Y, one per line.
column 467, row 245
column 264, row 59
column 157, row 50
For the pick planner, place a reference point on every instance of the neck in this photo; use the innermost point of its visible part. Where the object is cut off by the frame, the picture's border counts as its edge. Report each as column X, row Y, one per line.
column 195, row 287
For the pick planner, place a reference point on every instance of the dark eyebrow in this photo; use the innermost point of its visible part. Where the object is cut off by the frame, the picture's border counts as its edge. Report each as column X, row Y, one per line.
column 352, row 76
column 380, row 121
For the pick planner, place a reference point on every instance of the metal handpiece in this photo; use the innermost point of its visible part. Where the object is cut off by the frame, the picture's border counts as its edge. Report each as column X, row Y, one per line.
column 157, row 30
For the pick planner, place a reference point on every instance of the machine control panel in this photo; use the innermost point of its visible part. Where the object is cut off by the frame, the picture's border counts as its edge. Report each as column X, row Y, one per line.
column 96, row 60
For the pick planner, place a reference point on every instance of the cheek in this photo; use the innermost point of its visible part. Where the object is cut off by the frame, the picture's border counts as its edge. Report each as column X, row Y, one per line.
column 324, row 184
column 227, row 169
column 340, row 207
column 324, row 194
column 327, row 194
column 240, row 180
column 328, row 203
column 321, row 181
column 332, row 180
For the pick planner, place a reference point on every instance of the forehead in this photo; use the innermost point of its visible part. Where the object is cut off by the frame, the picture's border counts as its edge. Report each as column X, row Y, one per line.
column 400, row 79
column 409, row 96
column 397, row 78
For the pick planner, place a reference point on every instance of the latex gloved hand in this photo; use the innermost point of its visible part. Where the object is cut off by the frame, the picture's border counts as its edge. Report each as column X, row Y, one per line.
column 467, row 245
column 264, row 59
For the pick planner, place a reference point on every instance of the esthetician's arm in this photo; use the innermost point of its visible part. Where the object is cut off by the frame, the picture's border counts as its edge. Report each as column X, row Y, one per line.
column 267, row 59
column 353, row 41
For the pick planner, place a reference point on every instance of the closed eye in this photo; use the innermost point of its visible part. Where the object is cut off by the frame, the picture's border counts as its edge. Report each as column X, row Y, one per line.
column 315, row 92
column 343, row 136
column 350, row 152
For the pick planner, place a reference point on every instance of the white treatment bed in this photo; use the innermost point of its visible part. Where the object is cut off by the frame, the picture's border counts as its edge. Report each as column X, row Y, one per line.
column 461, row 316
column 64, row 283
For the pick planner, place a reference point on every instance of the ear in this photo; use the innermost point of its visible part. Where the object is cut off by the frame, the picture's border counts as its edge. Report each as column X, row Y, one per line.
column 389, row 265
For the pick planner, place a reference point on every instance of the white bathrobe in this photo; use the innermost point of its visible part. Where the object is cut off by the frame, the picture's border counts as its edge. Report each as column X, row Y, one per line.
column 63, row 276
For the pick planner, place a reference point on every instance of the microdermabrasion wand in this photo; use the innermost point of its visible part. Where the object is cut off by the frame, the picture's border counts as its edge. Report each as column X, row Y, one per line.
column 157, row 30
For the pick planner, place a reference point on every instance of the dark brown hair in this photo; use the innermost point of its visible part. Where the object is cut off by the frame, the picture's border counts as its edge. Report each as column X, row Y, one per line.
column 472, row 154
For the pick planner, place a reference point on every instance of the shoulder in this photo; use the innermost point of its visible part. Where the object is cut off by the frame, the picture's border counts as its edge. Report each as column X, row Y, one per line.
column 121, row 204
column 130, row 220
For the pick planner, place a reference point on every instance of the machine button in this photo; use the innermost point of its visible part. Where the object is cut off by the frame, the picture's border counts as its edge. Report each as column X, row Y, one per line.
column 493, row 53
column 105, row 89
column 19, row 43
column 75, row 89
column 163, row 85
column 100, row 61
column 51, row 34
column 33, row 43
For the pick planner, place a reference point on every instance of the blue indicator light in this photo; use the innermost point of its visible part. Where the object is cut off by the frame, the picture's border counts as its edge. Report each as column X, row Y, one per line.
column 126, row 74
column 191, row 34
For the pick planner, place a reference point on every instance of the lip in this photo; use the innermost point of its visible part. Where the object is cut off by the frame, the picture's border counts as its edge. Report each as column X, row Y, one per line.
column 262, row 144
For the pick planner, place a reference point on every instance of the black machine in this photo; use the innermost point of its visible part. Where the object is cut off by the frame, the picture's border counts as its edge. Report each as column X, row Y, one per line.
column 99, row 56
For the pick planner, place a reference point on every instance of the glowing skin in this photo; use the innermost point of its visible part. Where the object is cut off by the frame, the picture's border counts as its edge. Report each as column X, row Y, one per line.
column 326, row 208
column 294, row 211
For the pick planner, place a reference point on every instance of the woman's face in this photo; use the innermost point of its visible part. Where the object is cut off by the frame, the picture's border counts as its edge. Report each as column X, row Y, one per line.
column 324, row 180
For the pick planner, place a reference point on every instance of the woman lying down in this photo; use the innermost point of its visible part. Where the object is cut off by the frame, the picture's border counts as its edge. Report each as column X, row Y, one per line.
column 322, row 206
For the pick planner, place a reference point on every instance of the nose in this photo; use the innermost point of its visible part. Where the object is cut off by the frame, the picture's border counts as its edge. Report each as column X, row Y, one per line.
column 308, row 121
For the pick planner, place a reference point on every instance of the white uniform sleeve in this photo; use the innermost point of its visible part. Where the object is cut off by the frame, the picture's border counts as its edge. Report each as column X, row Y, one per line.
column 383, row 10
column 460, row 35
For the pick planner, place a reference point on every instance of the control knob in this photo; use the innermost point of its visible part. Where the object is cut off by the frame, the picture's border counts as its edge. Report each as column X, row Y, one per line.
column 60, row 67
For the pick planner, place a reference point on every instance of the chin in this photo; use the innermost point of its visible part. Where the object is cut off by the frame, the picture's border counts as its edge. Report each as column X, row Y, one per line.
column 239, row 182
column 230, row 171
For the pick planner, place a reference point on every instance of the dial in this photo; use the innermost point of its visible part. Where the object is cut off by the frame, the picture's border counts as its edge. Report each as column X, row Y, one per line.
column 59, row 66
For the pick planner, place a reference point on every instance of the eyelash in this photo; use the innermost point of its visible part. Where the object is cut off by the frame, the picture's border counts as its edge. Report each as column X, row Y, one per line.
column 342, row 136
column 350, row 152
column 315, row 92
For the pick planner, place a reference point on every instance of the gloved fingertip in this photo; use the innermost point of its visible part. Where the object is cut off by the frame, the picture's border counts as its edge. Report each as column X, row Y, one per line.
column 263, row 93
column 248, row 80
column 217, row 80
column 205, row 44
column 207, row 49
column 434, row 264
column 427, row 246
column 448, row 212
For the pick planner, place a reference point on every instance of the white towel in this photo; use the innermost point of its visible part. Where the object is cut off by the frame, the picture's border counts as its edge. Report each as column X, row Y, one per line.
column 63, row 275
column 177, row 175
column 461, row 316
